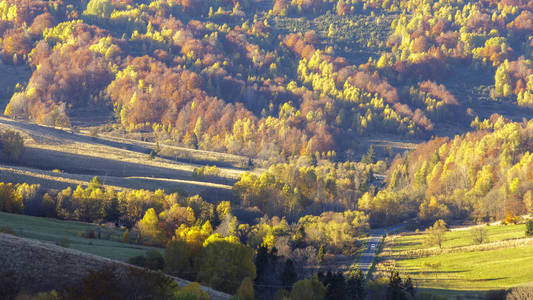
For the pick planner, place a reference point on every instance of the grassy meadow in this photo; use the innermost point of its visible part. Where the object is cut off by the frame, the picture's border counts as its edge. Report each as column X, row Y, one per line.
column 53, row 231
column 479, row 270
column 461, row 238
column 462, row 267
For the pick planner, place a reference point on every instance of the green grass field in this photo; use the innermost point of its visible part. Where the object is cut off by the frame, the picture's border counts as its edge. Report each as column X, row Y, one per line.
column 482, row 270
column 461, row 238
column 53, row 230
column 465, row 273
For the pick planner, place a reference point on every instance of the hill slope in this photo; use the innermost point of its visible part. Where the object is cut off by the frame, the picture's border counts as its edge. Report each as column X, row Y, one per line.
column 42, row 266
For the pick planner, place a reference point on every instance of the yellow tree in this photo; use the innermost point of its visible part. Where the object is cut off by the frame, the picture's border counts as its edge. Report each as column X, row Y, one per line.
column 149, row 227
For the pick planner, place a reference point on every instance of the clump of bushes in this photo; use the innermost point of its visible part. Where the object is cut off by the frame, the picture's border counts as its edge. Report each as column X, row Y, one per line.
column 7, row 230
column 206, row 171
column 152, row 259
column 63, row 242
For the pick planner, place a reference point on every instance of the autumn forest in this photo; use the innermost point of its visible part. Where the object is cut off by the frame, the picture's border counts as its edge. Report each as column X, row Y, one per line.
column 347, row 116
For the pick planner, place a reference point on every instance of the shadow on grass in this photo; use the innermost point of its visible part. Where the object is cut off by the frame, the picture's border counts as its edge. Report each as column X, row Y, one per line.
column 432, row 273
column 455, row 294
column 405, row 244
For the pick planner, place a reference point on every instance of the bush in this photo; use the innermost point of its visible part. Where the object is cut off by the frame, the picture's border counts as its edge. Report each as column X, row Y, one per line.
column 520, row 292
column 63, row 242
column 138, row 260
column 132, row 283
column 7, row 230
column 192, row 291
column 495, row 295
column 88, row 234
column 206, row 171
column 152, row 259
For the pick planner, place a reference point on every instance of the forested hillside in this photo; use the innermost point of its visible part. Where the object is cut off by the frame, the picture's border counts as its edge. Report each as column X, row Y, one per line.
column 483, row 175
column 255, row 78
column 308, row 96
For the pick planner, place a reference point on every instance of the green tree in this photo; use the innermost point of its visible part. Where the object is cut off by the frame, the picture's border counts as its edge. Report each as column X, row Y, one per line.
column 435, row 233
column 309, row 289
column 289, row 275
column 370, row 156
column 11, row 145
column 246, row 290
column 355, row 285
column 178, row 259
column 192, row 291
column 399, row 289
column 154, row 260
column 529, row 228
column 111, row 209
column 225, row 263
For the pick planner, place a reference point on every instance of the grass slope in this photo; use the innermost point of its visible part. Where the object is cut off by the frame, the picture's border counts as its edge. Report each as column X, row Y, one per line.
column 52, row 230
column 482, row 270
column 119, row 164
column 461, row 267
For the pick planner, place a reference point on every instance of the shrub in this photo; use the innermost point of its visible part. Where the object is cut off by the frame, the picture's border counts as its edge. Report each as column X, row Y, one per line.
column 206, row 171
column 194, row 291
column 529, row 228
column 138, row 260
column 154, row 260
column 495, row 295
column 131, row 284
column 520, row 292
column 89, row 234
column 63, row 242
column 7, row 230
column 126, row 236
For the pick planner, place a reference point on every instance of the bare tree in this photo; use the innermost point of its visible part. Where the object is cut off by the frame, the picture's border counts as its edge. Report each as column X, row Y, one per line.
column 479, row 234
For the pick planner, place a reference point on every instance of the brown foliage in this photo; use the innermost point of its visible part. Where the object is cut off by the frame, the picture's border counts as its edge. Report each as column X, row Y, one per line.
column 15, row 45
column 41, row 22
column 438, row 91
